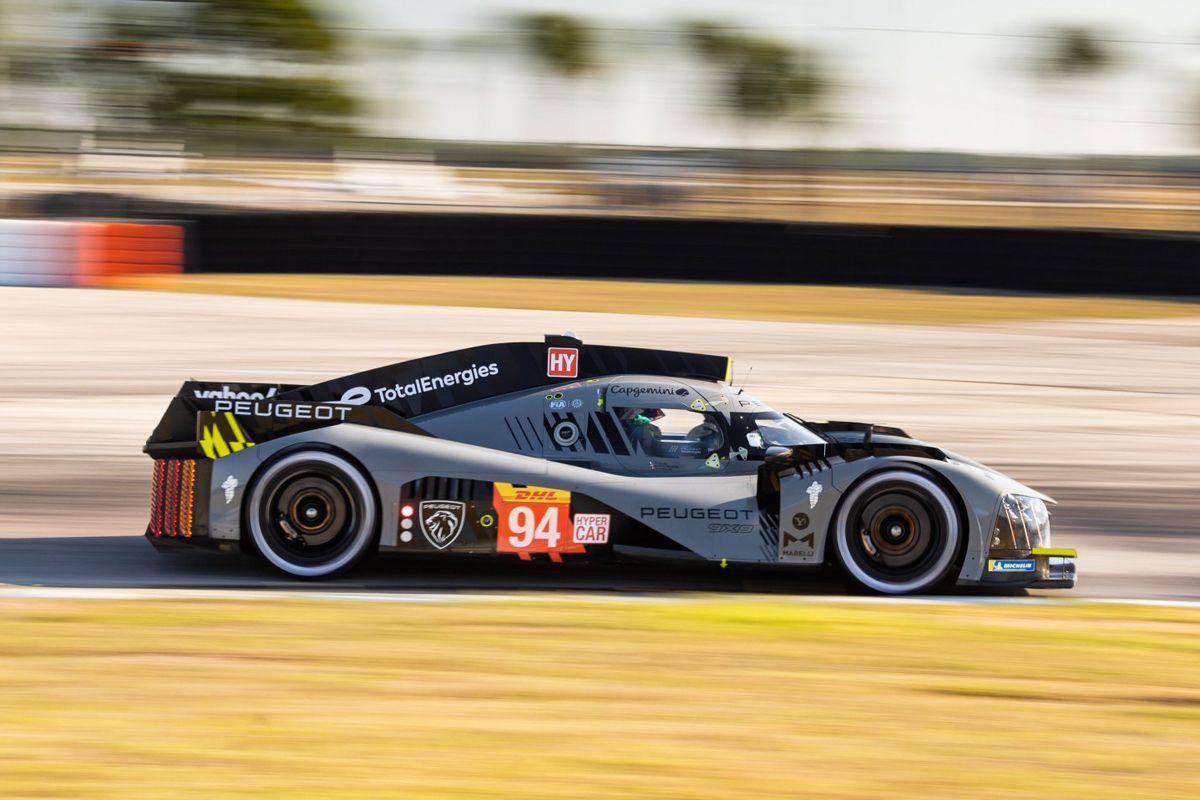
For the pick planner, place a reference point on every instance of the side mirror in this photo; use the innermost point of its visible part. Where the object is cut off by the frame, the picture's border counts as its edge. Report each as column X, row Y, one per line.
column 778, row 456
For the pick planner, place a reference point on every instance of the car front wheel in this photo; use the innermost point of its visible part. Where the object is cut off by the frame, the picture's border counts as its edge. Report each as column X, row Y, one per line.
column 897, row 532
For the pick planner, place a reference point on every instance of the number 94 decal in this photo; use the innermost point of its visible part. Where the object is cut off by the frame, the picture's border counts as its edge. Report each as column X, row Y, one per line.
column 532, row 519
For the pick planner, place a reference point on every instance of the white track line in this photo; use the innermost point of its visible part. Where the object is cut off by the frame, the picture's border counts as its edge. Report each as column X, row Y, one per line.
column 41, row 592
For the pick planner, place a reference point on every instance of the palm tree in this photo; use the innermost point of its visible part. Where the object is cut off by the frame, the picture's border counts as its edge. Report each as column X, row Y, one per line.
column 285, row 92
column 1066, row 59
column 559, row 43
column 764, row 79
column 1074, row 51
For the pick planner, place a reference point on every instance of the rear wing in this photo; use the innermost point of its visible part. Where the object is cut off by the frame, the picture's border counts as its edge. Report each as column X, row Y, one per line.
column 187, row 431
column 175, row 436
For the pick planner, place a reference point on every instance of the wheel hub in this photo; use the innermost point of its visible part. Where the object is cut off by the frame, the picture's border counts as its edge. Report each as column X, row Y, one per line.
column 311, row 511
column 895, row 530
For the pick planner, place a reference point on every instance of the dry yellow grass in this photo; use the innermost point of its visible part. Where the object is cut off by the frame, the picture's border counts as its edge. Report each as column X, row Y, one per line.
column 787, row 302
column 554, row 697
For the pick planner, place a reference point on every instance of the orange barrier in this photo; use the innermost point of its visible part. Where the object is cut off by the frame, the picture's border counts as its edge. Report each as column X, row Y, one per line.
column 114, row 249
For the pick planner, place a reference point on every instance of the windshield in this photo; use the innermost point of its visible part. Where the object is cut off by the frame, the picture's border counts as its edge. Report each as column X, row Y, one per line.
column 768, row 428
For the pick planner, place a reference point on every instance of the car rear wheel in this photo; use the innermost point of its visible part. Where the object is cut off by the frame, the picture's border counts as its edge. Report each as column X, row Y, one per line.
column 312, row 514
column 897, row 532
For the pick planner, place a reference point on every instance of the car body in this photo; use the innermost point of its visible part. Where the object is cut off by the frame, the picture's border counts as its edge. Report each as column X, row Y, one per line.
column 562, row 450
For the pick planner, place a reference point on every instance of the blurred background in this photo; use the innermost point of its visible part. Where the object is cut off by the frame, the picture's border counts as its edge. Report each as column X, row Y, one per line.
column 1025, row 113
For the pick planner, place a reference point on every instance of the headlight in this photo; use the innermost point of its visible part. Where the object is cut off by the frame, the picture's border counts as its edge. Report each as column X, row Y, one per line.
column 1021, row 524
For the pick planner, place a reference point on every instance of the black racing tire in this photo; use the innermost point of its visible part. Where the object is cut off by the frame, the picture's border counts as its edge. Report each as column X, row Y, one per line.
column 898, row 532
column 312, row 514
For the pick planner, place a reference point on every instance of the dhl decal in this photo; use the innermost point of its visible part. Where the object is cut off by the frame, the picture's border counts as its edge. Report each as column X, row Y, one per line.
column 219, row 434
column 531, row 494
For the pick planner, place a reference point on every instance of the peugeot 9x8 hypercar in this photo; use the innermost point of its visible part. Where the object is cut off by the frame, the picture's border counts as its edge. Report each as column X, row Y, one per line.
column 563, row 451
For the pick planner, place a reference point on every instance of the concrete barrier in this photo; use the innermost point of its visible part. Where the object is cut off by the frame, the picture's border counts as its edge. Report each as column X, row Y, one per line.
column 53, row 253
column 38, row 253
column 222, row 239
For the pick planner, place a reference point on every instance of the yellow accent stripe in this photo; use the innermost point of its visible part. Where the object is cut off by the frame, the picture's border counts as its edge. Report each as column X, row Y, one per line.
column 239, row 441
column 1069, row 552
column 222, row 436
column 728, row 368
column 213, row 443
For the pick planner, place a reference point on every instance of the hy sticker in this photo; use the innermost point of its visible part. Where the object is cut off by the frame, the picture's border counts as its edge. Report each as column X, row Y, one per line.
column 562, row 362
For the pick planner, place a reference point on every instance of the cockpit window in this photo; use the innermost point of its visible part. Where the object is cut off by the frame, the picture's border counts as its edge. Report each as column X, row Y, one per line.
column 673, row 432
column 766, row 428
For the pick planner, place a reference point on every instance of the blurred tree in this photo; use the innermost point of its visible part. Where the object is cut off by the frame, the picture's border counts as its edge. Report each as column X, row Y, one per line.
column 565, row 47
column 764, row 78
column 1065, row 60
column 563, row 44
column 245, row 66
column 1074, row 51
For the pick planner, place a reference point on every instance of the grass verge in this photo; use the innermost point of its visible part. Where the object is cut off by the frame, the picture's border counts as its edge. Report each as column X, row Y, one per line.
column 783, row 302
column 588, row 698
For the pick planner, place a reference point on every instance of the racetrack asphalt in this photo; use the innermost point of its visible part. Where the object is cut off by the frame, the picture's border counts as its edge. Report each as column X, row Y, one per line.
column 1102, row 414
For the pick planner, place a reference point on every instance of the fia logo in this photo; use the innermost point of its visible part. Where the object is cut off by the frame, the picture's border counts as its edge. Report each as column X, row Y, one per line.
column 562, row 362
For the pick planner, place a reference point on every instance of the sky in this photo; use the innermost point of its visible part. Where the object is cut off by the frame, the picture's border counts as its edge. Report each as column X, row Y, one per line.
column 914, row 74
column 952, row 75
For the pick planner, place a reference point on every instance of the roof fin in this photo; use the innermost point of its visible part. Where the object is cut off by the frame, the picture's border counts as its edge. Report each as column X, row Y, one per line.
column 565, row 339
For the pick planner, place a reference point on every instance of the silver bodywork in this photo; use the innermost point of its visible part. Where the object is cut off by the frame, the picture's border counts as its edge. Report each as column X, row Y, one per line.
column 560, row 438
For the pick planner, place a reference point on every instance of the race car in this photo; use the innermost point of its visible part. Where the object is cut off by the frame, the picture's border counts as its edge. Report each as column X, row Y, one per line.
column 563, row 451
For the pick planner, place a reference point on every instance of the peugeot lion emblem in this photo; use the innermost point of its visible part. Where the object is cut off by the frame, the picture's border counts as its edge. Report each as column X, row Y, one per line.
column 442, row 521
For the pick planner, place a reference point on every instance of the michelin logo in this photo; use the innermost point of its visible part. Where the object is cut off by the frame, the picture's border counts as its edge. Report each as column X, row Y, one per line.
column 1011, row 565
